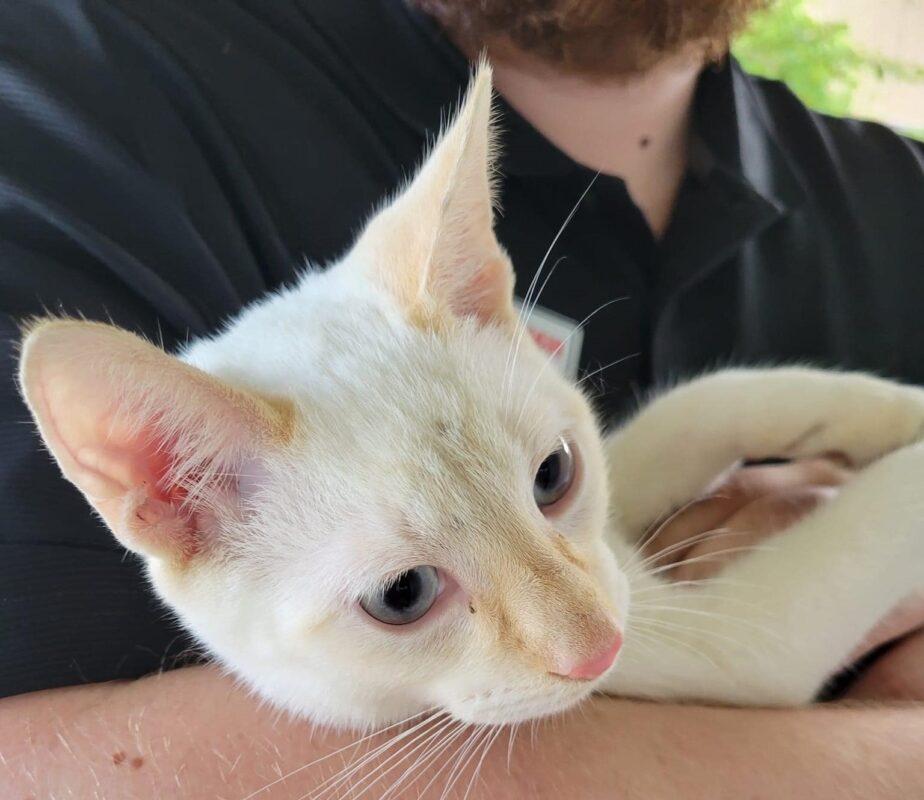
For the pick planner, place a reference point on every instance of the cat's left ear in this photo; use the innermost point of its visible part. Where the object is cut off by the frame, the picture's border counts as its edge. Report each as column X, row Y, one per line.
column 434, row 245
column 155, row 445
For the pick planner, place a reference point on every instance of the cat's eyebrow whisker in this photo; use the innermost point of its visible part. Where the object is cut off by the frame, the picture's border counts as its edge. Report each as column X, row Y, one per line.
column 551, row 357
column 523, row 322
column 349, row 746
column 598, row 370
column 524, row 327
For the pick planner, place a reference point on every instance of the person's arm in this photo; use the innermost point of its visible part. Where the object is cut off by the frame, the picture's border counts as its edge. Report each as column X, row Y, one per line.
column 193, row 734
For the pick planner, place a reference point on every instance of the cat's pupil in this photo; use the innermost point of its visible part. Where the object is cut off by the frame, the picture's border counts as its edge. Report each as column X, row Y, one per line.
column 549, row 471
column 404, row 592
column 406, row 599
column 554, row 476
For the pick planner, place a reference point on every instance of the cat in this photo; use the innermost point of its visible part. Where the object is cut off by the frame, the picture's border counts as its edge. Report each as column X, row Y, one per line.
column 369, row 495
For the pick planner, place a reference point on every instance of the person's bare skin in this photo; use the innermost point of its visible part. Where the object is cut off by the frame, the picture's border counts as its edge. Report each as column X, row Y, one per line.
column 636, row 129
column 192, row 735
column 757, row 502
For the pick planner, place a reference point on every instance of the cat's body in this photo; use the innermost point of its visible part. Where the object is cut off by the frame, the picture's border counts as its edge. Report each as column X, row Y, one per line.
column 388, row 418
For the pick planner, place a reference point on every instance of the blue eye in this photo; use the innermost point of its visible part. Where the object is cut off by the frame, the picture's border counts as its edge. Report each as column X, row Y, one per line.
column 406, row 599
column 554, row 476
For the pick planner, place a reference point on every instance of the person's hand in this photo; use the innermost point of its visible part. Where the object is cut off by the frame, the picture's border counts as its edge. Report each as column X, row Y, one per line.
column 751, row 505
column 748, row 506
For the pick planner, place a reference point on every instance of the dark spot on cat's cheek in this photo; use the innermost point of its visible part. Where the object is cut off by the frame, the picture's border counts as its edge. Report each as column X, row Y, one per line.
column 118, row 757
column 644, row 142
column 471, row 609
column 137, row 762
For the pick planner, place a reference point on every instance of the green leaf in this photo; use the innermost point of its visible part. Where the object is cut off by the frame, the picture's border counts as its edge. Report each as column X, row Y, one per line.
column 818, row 60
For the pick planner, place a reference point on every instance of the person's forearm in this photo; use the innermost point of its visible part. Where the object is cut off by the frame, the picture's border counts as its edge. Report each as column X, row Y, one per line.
column 192, row 734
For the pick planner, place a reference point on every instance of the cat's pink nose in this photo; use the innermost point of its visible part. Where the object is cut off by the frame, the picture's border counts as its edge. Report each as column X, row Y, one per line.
column 594, row 667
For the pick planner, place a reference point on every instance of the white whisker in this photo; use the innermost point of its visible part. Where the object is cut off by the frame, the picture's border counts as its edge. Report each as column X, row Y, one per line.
column 715, row 533
column 488, row 743
column 445, row 746
column 524, row 318
column 380, row 771
column 713, row 557
column 339, row 778
column 597, row 371
column 469, row 752
column 513, row 732
column 658, row 526
column 356, row 743
column 558, row 349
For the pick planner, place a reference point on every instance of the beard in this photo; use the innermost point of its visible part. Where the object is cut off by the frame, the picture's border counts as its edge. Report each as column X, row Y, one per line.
column 597, row 38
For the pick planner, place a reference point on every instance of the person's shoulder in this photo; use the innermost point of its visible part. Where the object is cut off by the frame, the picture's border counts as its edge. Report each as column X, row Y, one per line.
column 859, row 154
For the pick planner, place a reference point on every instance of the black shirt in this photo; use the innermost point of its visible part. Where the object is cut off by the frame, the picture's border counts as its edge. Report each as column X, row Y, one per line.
column 162, row 163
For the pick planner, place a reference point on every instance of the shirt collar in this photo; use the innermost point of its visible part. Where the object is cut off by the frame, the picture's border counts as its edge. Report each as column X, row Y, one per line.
column 733, row 135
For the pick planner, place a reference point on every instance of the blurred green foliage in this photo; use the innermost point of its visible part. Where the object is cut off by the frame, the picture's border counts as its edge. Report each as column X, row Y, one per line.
column 819, row 60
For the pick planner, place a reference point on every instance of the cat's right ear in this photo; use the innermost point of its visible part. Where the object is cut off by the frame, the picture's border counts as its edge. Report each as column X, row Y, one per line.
column 433, row 247
column 151, row 442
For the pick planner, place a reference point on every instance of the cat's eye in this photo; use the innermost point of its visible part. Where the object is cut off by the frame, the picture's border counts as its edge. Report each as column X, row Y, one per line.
column 554, row 476
column 406, row 599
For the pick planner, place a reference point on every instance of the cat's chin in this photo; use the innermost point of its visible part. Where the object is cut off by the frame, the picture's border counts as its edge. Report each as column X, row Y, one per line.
column 510, row 706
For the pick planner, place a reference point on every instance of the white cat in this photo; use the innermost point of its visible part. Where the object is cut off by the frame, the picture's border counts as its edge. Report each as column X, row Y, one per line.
column 370, row 495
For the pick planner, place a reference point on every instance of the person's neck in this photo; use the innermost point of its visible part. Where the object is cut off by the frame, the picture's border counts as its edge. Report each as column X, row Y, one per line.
column 635, row 128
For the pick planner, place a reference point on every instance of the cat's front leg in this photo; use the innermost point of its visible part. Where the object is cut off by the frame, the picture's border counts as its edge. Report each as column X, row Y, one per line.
column 680, row 443
column 781, row 620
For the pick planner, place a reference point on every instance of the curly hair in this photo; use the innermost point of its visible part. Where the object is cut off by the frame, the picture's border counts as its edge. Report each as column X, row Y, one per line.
column 593, row 37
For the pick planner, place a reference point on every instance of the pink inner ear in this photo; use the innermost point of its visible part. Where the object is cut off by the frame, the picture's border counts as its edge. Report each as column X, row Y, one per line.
column 487, row 295
column 128, row 481
column 122, row 418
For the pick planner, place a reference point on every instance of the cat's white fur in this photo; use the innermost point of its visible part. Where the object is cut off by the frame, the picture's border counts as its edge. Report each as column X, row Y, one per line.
column 388, row 412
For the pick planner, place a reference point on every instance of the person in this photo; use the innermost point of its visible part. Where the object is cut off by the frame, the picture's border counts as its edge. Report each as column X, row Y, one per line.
column 163, row 164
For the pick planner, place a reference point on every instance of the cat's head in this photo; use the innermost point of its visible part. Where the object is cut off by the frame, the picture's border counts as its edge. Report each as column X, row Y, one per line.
column 372, row 494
